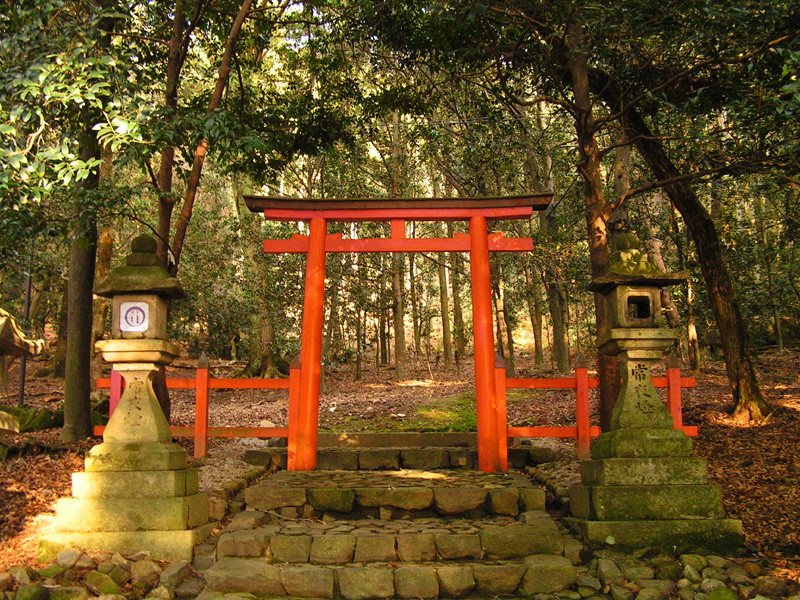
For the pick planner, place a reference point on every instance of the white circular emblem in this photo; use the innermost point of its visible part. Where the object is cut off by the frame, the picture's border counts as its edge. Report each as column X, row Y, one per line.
column 133, row 316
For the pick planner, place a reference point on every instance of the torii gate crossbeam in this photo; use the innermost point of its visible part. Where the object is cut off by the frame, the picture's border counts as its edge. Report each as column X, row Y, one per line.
column 304, row 402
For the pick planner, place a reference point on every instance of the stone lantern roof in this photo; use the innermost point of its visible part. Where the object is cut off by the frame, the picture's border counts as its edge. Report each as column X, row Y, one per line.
column 141, row 274
column 631, row 266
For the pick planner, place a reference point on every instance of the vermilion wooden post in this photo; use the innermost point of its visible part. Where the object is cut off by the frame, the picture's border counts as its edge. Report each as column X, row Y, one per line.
column 294, row 409
column 502, row 413
column 674, row 391
column 483, row 332
column 582, row 408
column 311, row 348
column 201, row 407
column 115, row 393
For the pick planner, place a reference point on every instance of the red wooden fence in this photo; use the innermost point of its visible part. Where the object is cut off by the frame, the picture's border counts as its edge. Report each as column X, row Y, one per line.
column 201, row 384
column 582, row 431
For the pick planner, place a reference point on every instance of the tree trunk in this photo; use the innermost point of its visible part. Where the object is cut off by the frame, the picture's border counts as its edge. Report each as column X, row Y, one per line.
column 415, row 307
column 193, row 182
column 359, row 344
column 767, row 256
column 327, row 342
column 383, row 344
column 691, row 331
column 399, row 325
column 653, row 246
column 750, row 404
column 82, row 249
column 444, row 304
column 548, row 228
column 105, row 246
column 458, row 315
column 59, row 365
column 505, row 340
column 533, row 300
column 597, row 211
column 166, row 201
column 556, row 302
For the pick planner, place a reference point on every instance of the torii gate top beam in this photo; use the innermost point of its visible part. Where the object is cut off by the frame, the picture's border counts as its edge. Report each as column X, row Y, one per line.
column 279, row 208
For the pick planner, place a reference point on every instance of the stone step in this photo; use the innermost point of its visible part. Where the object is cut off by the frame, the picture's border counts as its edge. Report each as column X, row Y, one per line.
column 394, row 494
column 535, row 574
column 400, row 457
column 84, row 515
column 405, row 541
column 397, row 439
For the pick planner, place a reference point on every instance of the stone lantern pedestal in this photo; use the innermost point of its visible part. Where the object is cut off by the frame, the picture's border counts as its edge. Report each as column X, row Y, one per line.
column 643, row 488
column 138, row 492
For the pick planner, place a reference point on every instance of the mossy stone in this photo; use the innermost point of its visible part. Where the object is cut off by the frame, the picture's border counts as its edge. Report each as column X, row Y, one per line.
column 33, row 591
column 72, row 592
column 332, row 499
column 722, row 593
column 100, row 583
column 144, row 243
column 51, row 571
column 669, row 569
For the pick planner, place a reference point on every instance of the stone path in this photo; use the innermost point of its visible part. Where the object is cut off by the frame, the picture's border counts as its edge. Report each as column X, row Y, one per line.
column 357, row 535
column 290, row 537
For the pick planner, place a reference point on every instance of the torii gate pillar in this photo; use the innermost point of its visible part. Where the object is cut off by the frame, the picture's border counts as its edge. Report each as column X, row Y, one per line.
column 483, row 332
column 305, row 456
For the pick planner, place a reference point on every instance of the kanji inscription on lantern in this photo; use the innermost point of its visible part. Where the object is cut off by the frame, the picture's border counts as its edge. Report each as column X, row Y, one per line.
column 134, row 316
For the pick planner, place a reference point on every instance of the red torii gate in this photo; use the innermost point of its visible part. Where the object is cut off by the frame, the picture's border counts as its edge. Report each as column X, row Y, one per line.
column 304, row 403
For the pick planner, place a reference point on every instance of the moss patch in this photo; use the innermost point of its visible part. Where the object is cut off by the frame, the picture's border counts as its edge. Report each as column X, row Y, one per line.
column 455, row 413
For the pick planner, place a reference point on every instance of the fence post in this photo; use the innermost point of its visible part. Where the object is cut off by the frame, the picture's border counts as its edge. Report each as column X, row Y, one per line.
column 201, row 407
column 502, row 413
column 582, row 407
column 294, row 412
column 674, row 390
column 115, row 392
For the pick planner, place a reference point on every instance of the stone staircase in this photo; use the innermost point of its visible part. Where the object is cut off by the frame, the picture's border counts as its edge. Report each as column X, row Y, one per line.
column 358, row 535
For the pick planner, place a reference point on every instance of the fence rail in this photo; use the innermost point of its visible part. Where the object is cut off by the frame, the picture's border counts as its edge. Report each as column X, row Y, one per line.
column 582, row 431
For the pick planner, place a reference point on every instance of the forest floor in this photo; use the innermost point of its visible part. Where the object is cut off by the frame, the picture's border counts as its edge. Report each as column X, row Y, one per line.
column 757, row 466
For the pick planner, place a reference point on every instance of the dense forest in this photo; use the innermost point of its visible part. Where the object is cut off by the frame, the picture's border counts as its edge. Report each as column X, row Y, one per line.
column 676, row 123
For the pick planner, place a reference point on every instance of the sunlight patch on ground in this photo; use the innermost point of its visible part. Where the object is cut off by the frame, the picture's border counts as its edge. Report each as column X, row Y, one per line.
column 428, row 383
column 436, row 415
column 418, row 475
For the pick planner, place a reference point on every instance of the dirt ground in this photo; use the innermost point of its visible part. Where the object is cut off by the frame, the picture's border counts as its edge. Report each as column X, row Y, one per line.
column 757, row 466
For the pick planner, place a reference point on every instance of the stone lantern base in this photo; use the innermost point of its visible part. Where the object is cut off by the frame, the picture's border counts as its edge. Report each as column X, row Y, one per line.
column 132, row 498
column 643, row 488
column 138, row 493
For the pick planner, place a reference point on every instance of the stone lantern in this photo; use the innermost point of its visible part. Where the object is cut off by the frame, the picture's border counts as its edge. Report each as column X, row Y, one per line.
column 638, row 336
column 138, row 492
column 643, row 487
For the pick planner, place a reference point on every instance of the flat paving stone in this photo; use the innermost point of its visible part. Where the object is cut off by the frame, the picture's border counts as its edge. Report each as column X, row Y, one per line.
column 416, row 582
column 290, row 548
column 416, row 547
column 450, row 501
column 308, row 581
column 244, row 575
column 456, row 581
column 333, row 550
column 497, row 580
column 375, row 548
column 366, row 583
column 457, row 545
